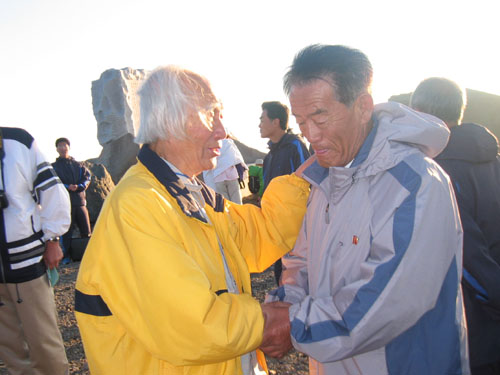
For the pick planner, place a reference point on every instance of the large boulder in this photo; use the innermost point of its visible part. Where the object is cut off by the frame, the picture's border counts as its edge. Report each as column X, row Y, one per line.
column 118, row 156
column 116, row 109
column 100, row 186
column 249, row 154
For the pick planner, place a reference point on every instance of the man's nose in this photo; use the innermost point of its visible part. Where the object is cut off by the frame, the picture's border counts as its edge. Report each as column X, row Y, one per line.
column 311, row 132
column 219, row 129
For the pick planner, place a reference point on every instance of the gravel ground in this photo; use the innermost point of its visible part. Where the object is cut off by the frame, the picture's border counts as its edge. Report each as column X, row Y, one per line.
column 293, row 364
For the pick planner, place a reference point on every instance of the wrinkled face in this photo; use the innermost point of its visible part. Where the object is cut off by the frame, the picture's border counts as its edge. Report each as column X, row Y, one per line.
column 63, row 149
column 267, row 126
column 335, row 131
column 202, row 145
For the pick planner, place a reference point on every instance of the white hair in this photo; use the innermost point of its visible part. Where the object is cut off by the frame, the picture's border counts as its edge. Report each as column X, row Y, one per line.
column 167, row 97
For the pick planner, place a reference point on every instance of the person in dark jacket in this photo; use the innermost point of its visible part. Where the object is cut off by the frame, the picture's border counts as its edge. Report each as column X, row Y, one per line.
column 76, row 179
column 472, row 161
column 287, row 151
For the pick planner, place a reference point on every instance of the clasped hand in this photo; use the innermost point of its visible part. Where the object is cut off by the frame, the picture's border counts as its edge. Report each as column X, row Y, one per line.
column 276, row 340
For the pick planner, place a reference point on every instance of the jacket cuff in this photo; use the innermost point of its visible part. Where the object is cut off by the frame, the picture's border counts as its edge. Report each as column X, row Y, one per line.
column 48, row 235
column 299, row 181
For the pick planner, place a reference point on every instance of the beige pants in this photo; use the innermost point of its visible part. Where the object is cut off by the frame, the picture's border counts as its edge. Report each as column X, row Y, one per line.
column 230, row 189
column 30, row 341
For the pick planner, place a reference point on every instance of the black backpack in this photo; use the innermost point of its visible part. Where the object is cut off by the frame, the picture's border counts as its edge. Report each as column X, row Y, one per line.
column 254, row 184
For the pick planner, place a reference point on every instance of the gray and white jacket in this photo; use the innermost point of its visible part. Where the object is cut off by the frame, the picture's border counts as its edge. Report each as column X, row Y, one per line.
column 374, row 278
column 38, row 207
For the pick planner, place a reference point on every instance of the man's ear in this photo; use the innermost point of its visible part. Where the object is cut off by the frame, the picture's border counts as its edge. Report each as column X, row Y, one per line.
column 364, row 106
column 276, row 122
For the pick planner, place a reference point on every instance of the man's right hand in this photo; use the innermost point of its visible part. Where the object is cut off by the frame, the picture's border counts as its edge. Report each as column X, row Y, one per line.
column 53, row 254
column 276, row 341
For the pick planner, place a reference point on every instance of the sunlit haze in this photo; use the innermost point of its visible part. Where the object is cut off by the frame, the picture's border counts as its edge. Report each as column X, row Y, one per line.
column 52, row 50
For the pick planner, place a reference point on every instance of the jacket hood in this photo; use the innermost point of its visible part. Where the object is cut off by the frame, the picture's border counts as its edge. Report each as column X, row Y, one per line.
column 397, row 132
column 471, row 143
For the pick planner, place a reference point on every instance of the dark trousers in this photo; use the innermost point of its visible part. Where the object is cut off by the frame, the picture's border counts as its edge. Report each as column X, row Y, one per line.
column 80, row 217
column 278, row 267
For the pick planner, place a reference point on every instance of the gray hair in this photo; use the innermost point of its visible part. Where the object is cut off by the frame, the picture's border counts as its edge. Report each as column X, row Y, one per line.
column 167, row 97
column 348, row 70
column 440, row 97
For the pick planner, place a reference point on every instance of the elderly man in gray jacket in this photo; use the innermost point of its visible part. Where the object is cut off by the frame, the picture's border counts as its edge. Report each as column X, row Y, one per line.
column 372, row 285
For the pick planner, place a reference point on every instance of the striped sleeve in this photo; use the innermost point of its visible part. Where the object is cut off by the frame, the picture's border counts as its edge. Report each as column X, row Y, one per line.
column 46, row 177
column 51, row 195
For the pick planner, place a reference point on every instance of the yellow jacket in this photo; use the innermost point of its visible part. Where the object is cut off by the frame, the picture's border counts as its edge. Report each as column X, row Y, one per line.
column 151, row 293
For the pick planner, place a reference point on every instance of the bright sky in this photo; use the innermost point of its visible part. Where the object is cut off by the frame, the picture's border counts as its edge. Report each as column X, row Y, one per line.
column 51, row 51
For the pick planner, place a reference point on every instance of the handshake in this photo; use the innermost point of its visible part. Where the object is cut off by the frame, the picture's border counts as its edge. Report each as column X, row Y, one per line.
column 276, row 340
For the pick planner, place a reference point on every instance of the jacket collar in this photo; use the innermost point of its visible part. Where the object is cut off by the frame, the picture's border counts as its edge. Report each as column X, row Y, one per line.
column 366, row 146
column 471, row 143
column 69, row 158
column 283, row 140
column 164, row 174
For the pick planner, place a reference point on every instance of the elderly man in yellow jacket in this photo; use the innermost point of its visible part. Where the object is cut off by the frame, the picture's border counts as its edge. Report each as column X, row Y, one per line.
column 164, row 286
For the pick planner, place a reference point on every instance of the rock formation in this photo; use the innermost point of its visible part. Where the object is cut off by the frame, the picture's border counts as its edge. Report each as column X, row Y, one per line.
column 482, row 108
column 100, row 186
column 249, row 154
column 116, row 109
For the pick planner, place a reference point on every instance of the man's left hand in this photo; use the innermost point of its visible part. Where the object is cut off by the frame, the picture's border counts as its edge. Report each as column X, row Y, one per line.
column 53, row 254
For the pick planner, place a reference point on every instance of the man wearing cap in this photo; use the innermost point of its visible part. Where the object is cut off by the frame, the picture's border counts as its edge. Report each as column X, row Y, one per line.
column 76, row 179
column 287, row 151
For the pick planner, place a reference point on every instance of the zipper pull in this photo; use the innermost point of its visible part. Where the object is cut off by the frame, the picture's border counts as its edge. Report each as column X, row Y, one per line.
column 327, row 214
